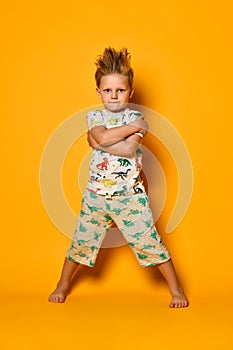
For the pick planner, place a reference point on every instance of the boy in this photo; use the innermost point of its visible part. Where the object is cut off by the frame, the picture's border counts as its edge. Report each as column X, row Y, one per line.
column 115, row 192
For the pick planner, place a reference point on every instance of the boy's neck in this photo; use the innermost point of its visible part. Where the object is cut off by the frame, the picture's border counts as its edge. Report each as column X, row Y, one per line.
column 115, row 113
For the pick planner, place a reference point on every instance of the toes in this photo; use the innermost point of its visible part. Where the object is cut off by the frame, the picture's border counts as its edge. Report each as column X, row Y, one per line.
column 178, row 304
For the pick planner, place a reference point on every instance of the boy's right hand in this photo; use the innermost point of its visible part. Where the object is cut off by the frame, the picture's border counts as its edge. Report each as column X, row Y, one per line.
column 141, row 125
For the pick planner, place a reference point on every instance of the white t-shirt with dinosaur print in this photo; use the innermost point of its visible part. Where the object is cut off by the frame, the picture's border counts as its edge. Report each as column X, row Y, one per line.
column 111, row 174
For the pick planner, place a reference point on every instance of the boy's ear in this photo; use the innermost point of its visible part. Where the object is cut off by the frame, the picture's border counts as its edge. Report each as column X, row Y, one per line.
column 98, row 92
column 131, row 93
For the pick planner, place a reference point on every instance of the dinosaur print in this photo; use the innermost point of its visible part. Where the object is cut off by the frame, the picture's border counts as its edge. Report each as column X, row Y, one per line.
column 82, row 228
column 71, row 259
column 147, row 223
column 125, row 201
column 121, row 174
column 93, row 195
column 93, row 247
column 82, row 213
column 113, row 121
column 108, row 183
column 148, row 246
column 133, row 212
column 131, row 244
column 163, row 256
column 137, row 235
column 124, row 162
column 142, row 201
column 153, row 235
column 81, row 241
column 107, row 217
column 94, row 222
column 92, row 208
column 96, row 236
column 103, row 165
column 117, row 211
column 142, row 256
column 128, row 223
column 83, row 255
column 93, row 123
column 121, row 192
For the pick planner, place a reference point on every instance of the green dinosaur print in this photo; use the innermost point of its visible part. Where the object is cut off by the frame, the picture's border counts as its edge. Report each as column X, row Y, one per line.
column 137, row 235
column 81, row 241
column 93, row 247
column 107, row 217
column 91, row 263
column 131, row 244
column 93, row 195
column 82, row 213
column 82, row 255
column 71, row 259
column 128, row 223
column 121, row 192
column 82, row 228
column 133, row 212
column 117, row 211
column 148, row 246
column 96, row 236
column 92, row 208
column 154, row 235
column 72, row 246
column 162, row 256
column 124, row 162
column 138, row 114
column 142, row 201
column 94, row 222
column 142, row 256
column 147, row 223
column 125, row 201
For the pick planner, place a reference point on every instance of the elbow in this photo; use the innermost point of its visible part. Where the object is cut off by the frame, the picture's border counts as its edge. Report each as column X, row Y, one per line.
column 129, row 151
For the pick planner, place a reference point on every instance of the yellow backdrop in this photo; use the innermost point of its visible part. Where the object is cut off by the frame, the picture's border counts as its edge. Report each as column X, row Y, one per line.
column 182, row 58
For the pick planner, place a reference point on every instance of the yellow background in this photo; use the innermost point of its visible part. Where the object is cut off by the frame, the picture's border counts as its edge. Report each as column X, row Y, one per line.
column 182, row 58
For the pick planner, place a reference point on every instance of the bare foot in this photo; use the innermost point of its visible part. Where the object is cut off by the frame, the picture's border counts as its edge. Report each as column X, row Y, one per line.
column 58, row 295
column 179, row 300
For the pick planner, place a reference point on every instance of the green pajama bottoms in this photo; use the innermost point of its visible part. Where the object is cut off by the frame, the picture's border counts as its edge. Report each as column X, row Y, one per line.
column 132, row 215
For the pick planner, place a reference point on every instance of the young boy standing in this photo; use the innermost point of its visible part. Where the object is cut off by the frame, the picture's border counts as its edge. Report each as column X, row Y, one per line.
column 115, row 191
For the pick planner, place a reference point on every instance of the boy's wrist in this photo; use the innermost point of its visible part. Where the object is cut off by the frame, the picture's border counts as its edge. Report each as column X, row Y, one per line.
column 139, row 134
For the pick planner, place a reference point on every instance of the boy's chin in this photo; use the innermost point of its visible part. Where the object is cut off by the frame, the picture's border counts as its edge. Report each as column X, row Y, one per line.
column 115, row 106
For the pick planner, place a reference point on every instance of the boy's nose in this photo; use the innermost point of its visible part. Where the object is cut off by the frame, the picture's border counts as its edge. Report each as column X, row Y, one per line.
column 114, row 95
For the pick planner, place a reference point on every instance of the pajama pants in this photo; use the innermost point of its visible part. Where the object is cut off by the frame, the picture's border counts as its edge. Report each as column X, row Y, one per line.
column 132, row 215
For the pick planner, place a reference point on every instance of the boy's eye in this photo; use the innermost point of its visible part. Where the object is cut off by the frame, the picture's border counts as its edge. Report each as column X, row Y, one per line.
column 107, row 91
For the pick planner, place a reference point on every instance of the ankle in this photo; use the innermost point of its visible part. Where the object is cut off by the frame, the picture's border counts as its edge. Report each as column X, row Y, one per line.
column 63, row 284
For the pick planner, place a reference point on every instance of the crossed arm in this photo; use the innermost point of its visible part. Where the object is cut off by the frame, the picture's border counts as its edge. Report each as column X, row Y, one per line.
column 121, row 141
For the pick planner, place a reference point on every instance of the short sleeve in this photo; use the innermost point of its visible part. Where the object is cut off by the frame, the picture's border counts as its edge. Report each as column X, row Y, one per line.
column 134, row 115
column 94, row 118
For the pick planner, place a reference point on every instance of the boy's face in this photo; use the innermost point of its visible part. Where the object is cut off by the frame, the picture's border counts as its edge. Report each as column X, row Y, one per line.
column 114, row 92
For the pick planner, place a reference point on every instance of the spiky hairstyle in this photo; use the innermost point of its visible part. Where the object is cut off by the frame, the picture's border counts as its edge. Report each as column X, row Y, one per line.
column 113, row 61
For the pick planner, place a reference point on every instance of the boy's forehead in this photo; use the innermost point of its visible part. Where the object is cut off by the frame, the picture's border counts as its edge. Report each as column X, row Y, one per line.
column 114, row 80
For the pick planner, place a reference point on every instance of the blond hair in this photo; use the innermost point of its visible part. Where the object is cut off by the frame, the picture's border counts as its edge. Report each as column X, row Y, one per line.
column 112, row 62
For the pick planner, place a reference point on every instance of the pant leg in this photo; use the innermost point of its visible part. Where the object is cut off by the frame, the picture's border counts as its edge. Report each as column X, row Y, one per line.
column 92, row 225
column 136, row 223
